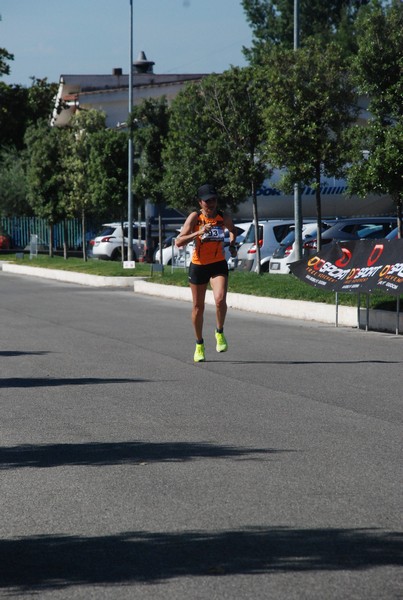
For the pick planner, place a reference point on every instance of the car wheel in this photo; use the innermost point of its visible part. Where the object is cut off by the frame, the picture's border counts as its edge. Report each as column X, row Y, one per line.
column 265, row 268
column 117, row 254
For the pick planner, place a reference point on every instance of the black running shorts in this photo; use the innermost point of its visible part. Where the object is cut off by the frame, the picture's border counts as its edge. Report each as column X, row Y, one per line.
column 201, row 274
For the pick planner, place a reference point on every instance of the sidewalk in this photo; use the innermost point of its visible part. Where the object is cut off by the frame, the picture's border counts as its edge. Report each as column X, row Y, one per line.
column 342, row 316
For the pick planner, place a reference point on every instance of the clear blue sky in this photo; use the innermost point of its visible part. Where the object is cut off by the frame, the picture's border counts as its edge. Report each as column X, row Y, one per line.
column 53, row 37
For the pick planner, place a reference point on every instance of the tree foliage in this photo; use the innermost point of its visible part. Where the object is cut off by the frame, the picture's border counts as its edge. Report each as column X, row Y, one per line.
column 84, row 125
column 309, row 103
column 95, row 167
column 149, row 125
column 377, row 162
column 45, row 181
column 272, row 24
column 107, row 173
column 13, row 186
column 378, row 65
column 4, row 58
column 21, row 107
column 45, row 171
column 215, row 135
column 186, row 151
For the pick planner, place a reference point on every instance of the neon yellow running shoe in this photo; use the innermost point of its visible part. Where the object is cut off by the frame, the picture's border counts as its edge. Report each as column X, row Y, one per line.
column 199, row 353
column 222, row 345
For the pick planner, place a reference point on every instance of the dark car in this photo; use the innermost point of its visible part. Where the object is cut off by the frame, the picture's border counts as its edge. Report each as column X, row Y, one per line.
column 353, row 229
column 393, row 234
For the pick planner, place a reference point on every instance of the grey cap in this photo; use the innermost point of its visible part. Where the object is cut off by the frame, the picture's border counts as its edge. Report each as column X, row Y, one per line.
column 206, row 191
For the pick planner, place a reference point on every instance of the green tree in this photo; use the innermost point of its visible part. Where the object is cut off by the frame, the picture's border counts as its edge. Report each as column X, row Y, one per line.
column 77, row 165
column 4, row 57
column 107, row 173
column 186, row 156
column 149, row 125
column 45, row 183
column 21, row 107
column 13, row 115
column 95, row 169
column 377, row 162
column 309, row 104
column 272, row 24
column 216, row 135
column 236, row 127
column 13, row 187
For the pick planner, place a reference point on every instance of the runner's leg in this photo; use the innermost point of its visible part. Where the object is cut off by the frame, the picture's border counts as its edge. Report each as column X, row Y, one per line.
column 219, row 285
column 198, row 295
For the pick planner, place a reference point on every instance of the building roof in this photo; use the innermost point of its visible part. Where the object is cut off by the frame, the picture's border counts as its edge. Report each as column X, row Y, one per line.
column 76, row 90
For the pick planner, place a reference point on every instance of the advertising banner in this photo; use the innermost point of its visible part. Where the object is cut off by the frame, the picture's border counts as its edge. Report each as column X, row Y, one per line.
column 362, row 266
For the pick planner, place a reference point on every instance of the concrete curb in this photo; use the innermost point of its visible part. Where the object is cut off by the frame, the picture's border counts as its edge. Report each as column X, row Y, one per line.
column 295, row 309
column 69, row 276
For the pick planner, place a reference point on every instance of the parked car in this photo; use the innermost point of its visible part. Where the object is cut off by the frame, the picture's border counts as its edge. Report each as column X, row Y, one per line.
column 271, row 232
column 285, row 253
column 5, row 240
column 353, row 229
column 107, row 245
column 169, row 250
column 393, row 234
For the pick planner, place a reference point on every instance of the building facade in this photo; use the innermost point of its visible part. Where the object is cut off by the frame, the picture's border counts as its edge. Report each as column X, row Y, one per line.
column 110, row 93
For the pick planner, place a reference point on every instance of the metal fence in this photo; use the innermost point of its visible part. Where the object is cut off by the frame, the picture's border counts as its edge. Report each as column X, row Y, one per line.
column 20, row 230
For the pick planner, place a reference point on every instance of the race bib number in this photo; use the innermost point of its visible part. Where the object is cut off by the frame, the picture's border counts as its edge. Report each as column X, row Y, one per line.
column 216, row 234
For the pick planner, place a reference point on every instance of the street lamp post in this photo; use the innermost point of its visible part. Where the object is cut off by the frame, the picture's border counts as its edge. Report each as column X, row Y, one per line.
column 130, row 148
column 297, row 187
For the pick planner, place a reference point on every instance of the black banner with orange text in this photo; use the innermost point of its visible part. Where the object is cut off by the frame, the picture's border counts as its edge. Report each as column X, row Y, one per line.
column 361, row 266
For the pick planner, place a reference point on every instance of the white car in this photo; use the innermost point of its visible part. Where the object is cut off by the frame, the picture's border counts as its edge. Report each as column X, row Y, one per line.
column 285, row 253
column 107, row 245
column 170, row 252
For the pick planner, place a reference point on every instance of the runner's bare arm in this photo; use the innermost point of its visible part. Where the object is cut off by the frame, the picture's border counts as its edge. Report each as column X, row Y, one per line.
column 187, row 234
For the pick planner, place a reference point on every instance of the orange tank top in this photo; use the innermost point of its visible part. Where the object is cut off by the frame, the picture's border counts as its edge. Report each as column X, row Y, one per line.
column 209, row 248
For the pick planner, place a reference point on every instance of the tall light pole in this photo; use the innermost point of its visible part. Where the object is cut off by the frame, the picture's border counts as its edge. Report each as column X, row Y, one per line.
column 130, row 148
column 297, row 187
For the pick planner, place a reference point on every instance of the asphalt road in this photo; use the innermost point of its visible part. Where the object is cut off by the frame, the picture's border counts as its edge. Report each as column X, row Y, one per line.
column 128, row 472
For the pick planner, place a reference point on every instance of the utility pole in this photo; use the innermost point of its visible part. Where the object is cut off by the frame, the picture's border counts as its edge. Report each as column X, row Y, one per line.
column 130, row 149
column 297, row 187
